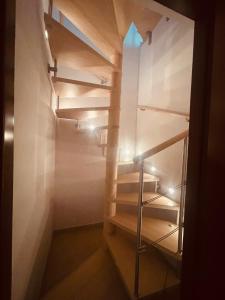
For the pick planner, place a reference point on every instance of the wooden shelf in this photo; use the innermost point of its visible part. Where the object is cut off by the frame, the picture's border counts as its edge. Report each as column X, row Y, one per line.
column 132, row 199
column 82, row 113
column 152, row 268
column 152, row 230
column 70, row 51
column 134, row 178
column 67, row 88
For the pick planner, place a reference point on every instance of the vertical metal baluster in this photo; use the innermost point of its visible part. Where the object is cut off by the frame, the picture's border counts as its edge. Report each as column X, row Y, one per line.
column 139, row 226
column 182, row 197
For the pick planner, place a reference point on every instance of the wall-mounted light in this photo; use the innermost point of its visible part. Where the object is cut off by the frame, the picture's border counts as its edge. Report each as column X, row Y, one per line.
column 91, row 127
column 125, row 154
column 153, row 169
column 171, row 190
column 46, row 34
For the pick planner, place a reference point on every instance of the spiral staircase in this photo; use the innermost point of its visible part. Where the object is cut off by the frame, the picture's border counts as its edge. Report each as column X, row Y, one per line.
column 142, row 226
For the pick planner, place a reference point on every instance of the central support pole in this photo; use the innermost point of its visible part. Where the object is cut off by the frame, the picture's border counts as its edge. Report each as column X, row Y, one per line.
column 112, row 141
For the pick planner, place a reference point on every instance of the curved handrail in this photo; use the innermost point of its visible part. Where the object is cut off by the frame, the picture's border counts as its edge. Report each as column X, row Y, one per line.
column 161, row 146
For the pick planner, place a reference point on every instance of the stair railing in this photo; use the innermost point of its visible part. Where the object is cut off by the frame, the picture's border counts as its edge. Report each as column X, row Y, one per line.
column 140, row 247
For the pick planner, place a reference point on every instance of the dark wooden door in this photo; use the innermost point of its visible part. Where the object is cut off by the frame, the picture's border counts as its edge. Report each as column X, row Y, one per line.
column 7, row 29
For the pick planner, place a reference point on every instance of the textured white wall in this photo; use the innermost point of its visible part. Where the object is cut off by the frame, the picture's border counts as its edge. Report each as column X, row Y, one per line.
column 33, row 153
column 165, row 82
column 80, row 177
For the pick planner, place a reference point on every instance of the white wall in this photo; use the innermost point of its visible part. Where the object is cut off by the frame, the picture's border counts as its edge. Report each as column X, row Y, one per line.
column 165, row 82
column 129, row 98
column 34, row 153
column 80, row 177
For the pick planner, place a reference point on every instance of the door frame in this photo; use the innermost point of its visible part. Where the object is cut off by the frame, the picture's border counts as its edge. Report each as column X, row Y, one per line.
column 202, row 267
column 7, row 65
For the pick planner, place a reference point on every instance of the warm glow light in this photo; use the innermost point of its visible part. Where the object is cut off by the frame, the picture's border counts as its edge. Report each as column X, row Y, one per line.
column 46, row 34
column 8, row 136
column 171, row 190
column 153, row 169
column 127, row 152
column 91, row 127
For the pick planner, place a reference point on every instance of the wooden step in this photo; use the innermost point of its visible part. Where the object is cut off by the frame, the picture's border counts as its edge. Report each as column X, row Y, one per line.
column 152, row 230
column 68, row 88
column 132, row 199
column 82, row 113
column 153, row 270
column 134, row 178
column 106, row 23
column 122, row 163
column 70, row 51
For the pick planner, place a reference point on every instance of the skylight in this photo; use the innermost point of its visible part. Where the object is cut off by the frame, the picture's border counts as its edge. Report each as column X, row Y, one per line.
column 133, row 38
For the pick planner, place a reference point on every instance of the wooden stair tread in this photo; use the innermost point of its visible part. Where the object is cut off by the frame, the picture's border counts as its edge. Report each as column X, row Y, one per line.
column 82, row 113
column 152, row 268
column 68, row 88
column 124, row 163
column 70, row 51
column 152, row 230
column 134, row 178
column 132, row 199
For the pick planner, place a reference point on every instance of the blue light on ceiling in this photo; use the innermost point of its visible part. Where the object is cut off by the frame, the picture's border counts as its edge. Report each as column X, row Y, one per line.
column 133, row 38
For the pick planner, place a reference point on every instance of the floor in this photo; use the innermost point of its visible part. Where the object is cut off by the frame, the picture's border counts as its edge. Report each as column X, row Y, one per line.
column 80, row 268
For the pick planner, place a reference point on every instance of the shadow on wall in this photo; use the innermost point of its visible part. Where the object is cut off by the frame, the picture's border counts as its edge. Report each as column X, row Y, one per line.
column 80, row 177
column 40, row 259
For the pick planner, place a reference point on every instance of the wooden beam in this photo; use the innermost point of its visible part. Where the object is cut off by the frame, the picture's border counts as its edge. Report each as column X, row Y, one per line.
column 112, row 141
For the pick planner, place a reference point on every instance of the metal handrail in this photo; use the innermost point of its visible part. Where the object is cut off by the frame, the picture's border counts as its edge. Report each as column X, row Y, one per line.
column 179, row 137
column 139, row 246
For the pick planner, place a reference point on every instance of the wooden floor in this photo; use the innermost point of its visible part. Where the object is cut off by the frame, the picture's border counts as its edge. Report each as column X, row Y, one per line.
column 80, row 268
column 152, row 230
column 155, row 274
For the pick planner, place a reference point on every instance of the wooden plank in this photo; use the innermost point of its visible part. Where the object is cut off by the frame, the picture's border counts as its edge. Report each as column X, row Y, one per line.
column 127, row 11
column 153, row 270
column 124, row 163
column 158, row 109
column 96, row 20
column 113, row 142
column 82, row 113
column 70, row 51
column 152, row 230
column 134, row 178
column 67, row 88
column 132, row 199
column 175, row 139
